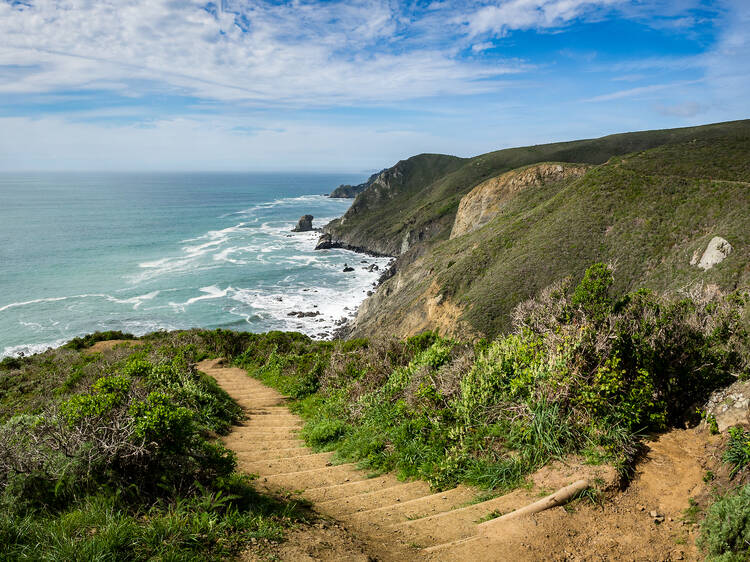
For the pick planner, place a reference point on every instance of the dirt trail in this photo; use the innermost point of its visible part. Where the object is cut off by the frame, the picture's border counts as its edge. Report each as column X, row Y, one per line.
column 384, row 518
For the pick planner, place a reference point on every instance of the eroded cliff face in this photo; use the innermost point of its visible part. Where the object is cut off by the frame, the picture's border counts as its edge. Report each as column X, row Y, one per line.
column 381, row 188
column 486, row 200
column 385, row 218
column 410, row 300
column 409, row 303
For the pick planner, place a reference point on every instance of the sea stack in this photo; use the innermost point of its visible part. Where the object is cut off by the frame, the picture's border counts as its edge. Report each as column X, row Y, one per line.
column 304, row 224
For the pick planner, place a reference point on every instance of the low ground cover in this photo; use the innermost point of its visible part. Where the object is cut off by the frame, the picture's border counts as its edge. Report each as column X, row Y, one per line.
column 114, row 457
column 583, row 371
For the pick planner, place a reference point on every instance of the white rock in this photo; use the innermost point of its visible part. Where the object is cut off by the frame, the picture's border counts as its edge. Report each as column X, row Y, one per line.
column 730, row 406
column 717, row 250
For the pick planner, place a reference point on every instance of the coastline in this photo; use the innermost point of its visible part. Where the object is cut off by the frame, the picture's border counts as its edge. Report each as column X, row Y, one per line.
column 314, row 294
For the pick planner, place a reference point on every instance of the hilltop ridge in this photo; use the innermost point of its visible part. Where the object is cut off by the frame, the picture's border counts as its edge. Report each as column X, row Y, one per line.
column 645, row 201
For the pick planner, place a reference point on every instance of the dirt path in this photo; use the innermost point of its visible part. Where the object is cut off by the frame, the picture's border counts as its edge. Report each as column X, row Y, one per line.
column 384, row 518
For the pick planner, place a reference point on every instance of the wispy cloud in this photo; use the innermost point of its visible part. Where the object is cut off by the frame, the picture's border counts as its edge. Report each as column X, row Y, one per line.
column 501, row 17
column 686, row 109
column 253, row 51
column 640, row 91
column 352, row 83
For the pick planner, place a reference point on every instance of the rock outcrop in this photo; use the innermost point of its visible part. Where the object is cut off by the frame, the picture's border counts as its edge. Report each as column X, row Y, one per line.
column 486, row 200
column 717, row 250
column 324, row 242
column 304, row 224
column 730, row 406
column 346, row 191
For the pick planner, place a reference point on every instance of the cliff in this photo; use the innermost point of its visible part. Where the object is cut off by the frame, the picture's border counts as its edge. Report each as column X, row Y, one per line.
column 471, row 245
column 346, row 191
column 487, row 200
column 415, row 202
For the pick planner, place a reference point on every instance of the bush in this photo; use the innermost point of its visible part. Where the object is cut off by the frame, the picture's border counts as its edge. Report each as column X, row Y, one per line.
column 725, row 532
column 582, row 372
column 146, row 426
column 90, row 339
column 737, row 452
column 117, row 459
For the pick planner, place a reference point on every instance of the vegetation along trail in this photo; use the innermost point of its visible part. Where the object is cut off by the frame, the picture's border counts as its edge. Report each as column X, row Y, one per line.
column 405, row 520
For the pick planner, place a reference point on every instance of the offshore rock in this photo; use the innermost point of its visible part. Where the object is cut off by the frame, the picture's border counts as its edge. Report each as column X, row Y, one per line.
column 304, row 224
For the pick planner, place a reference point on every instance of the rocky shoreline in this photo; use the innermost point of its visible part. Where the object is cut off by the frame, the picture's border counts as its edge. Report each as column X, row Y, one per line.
column 326, row 242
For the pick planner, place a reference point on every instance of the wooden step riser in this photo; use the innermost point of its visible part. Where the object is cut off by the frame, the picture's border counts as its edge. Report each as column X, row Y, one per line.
column 457, row 524
column 372, row 500
column 417, row 508
column 316, row 478
column 349, row 489
column 272, row 467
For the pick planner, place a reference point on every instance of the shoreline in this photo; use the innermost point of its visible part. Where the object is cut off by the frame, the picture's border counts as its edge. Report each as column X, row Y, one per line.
column 319, row 316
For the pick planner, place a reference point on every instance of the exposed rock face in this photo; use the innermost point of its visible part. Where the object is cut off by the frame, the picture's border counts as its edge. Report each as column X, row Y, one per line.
column 324, row 242
column 304, row 224
column 406, row 303
column 394, row 183
column 731, row 405
column 717, row 250
column 351, row 191
column 485, row 201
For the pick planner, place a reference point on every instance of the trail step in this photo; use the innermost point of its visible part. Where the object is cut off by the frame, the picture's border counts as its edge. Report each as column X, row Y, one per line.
column 316, row 478
column 417, row 508
column 267, row 443
column 251, row 446
column 270, row 467
column 456, row 524
column 349, row 489
column 369, row 501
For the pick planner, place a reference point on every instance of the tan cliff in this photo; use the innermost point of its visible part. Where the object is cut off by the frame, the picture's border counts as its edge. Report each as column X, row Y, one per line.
column 486, row 200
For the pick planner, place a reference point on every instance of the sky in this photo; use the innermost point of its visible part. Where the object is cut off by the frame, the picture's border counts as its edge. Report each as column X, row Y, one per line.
column 355, row 85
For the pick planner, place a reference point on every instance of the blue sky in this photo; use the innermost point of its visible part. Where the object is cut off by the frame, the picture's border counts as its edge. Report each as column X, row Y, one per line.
column 352, row 86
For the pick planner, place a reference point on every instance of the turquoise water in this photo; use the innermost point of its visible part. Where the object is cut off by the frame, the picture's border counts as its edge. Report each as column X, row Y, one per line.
column 143, row 252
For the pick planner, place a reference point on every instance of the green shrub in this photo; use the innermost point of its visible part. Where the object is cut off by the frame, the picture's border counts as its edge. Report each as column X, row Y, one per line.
column 324, row 432
column 90, row 339
column 591, row 295
column 725, row 532
column 582, row 372
column 737, row 452
column 137, row 367
column 106, row 394
column 160, row 421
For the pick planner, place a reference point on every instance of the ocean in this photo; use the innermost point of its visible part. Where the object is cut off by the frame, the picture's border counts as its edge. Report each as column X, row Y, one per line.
column 142, row 252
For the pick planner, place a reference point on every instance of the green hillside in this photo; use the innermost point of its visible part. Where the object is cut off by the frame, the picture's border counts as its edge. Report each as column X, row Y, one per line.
column 647, row 213
column 421, row 199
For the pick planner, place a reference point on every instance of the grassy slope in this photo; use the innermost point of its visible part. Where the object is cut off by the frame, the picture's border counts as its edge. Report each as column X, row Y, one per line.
column 117, row 521
column 647, row 213
column 425, row 200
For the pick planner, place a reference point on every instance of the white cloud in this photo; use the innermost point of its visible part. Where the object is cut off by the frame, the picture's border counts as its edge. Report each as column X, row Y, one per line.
column 641, row 91
column 252, row 51
column 498, row 19
column 685, row 109
column 727, row 64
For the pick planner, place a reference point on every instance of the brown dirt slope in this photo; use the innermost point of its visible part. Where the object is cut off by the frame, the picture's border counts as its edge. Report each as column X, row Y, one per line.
column 383, row 518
